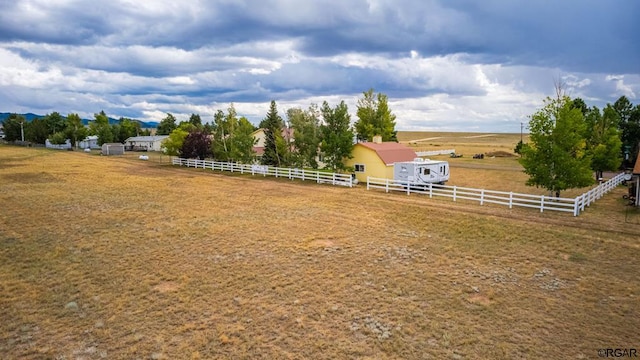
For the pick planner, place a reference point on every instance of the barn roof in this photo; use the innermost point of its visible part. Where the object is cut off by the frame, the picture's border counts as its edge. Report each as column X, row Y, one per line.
column 636, row 169
column 390, row 152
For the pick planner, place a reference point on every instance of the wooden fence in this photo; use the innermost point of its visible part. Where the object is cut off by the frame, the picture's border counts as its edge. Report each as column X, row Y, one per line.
column 264, row 170
column 510, row 199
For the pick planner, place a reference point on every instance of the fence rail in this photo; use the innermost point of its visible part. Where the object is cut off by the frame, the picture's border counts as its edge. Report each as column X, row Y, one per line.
column 264, row 170
column 435, row 152
column 510, row 199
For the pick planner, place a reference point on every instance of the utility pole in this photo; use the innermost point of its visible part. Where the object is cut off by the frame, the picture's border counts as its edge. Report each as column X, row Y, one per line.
column 521, row 127
column 22, row 130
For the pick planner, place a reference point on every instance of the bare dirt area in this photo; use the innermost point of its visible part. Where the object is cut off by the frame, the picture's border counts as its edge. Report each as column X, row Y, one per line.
column 113, row 257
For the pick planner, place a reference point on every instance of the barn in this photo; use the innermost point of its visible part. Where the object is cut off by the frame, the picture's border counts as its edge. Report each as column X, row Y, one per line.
column 635, row 187
column 112, row 149
column 376, row 158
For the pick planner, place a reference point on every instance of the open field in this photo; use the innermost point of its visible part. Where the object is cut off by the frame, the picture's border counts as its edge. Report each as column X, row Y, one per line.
column 112, row 257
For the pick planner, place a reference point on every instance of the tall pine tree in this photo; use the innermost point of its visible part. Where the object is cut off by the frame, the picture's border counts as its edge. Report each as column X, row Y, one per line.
column 273, row 126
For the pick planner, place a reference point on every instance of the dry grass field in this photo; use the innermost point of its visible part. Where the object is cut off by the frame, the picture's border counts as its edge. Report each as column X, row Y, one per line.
column 116, row 258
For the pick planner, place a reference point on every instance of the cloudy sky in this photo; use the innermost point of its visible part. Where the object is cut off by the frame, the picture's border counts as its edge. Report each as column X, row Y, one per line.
column 449, row 65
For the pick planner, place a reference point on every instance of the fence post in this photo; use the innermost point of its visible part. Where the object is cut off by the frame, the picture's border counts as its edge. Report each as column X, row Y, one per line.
column 454, row 192
column 482, row 197
column 408, row 187
column 575, row 206
column 318, row 177
column 333, row 179
column 386, row 185
column 511, row 200
column 367, row 183
column 430, row 190
column 542, row 203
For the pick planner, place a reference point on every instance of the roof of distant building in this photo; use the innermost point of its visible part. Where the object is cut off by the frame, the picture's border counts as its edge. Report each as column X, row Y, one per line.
column 390, row 152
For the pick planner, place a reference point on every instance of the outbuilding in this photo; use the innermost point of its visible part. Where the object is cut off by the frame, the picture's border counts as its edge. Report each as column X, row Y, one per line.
column 112, row 149
column 635, row 187
column 376, row 158
column 145, row 143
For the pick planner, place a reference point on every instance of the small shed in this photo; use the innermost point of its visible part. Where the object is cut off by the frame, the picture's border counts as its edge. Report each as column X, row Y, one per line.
column 90, row 142
column 376, row 158
column 112, row 149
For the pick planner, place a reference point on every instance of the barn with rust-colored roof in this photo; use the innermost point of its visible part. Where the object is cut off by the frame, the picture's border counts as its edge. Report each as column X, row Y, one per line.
column 376, row 158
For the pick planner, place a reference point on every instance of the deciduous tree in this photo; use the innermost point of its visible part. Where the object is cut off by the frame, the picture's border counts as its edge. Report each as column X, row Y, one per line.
column 556, row 159
column 306, row 130
column 196, row 145
column 375, row 118
column 75, row 130
column 173, row 144
column 603, row 139
column 166, row 125
column 336, row 135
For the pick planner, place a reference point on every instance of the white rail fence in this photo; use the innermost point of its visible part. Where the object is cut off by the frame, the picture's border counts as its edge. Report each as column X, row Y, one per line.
column 435, row 152
column 510, row 199
column 264, row 170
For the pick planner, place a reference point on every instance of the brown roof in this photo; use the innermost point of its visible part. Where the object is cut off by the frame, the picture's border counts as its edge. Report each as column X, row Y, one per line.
column 636, row 169
column 391, row 152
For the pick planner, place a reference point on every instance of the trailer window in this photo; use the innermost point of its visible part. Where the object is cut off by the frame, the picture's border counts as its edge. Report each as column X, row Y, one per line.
column 426, row 171
column 359, row 167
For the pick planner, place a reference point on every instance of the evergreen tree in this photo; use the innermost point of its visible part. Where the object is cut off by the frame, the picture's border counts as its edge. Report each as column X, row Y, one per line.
column 196, row 120
column 14, row 127
column 37, row 131
column 337, row 136
column 629, row 126
column 556, row 159
column 273, row 126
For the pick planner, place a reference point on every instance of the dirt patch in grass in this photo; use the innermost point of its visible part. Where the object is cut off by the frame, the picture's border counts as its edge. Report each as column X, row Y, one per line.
column 29, row 178
column 500, row 154
column 123, row 261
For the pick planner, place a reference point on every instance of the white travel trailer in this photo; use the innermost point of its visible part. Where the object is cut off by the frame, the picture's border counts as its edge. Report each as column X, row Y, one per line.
column 421, row 171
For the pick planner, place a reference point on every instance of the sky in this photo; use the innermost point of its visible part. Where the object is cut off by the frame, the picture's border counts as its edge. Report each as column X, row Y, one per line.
column 445, row 65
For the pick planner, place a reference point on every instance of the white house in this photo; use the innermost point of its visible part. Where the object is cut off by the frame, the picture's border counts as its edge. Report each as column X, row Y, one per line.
column 90, row 142
column 144, row 143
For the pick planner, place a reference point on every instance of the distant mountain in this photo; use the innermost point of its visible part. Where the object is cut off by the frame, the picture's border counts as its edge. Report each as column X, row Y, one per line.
column 31, row 117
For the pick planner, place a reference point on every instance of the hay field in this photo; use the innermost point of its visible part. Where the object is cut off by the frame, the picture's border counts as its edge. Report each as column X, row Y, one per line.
column 115, row 258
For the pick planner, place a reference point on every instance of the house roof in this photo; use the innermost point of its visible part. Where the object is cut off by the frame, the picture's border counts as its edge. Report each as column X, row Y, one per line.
column 390, row 152
column 147, row 138
column 636, row 169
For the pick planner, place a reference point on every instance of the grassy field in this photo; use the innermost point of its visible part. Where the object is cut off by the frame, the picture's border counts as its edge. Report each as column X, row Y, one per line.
column 113, row 257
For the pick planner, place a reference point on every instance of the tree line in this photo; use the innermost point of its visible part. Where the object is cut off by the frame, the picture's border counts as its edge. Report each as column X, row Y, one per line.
column 57, row 129
column 570, row 142
column 300, row 140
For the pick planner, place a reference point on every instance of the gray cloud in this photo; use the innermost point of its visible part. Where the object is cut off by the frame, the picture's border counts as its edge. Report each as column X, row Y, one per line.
column 444, row 64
